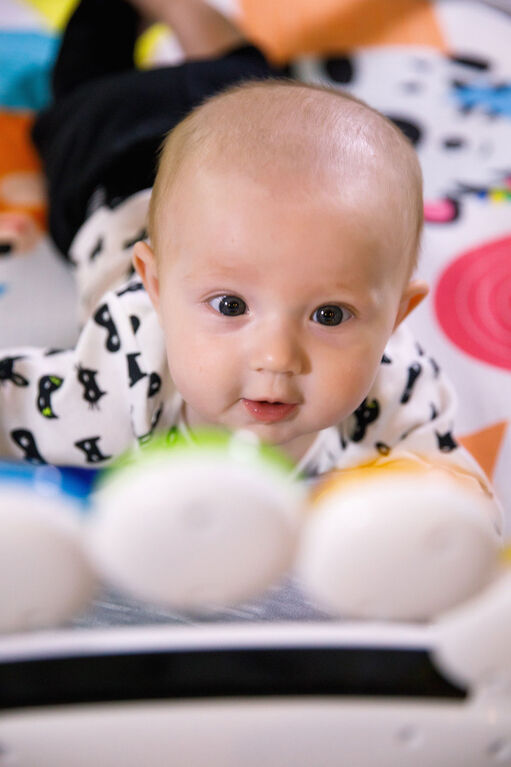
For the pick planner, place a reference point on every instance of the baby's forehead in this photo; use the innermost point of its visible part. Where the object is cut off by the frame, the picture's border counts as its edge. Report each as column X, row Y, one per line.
column 294, row 138
column 219, row 205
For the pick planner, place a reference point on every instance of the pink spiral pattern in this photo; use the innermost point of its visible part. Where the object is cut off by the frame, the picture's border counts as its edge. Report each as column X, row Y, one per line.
column 473, row 302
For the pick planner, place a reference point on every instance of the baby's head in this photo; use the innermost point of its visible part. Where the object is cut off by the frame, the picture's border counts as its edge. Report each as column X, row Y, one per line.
column 285, row 224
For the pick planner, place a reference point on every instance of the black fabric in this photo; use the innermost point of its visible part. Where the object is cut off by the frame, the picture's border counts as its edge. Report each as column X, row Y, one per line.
column 107, row 119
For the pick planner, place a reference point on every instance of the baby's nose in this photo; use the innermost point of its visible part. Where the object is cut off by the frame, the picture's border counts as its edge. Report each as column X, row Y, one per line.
column 277, row 350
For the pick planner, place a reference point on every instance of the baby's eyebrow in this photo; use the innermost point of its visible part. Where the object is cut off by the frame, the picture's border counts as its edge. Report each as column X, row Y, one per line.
column 222, row 272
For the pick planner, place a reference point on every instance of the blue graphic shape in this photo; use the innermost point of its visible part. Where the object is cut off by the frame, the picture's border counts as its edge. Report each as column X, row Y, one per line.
column 494, row 99
column 71, row 483
column 3, row 288
column 26, row 59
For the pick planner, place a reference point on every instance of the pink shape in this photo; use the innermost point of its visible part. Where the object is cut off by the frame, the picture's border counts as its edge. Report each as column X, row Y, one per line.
column 473, row 302
column 439, row 211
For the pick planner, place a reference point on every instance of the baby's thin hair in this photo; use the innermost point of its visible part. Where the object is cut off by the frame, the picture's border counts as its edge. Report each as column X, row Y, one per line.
column 308, row 127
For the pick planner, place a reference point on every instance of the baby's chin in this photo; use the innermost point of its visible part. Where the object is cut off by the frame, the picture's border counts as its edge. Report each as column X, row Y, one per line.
column 284, row 435
column 293, row 444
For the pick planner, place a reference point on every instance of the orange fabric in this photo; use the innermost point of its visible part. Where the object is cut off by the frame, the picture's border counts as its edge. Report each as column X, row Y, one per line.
column 18, row 156
column 287, row 28
column 16, row 151
column 485, row 445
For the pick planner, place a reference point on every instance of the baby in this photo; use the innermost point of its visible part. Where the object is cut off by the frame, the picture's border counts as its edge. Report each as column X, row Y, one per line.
column 285, row 225
column 284, row 229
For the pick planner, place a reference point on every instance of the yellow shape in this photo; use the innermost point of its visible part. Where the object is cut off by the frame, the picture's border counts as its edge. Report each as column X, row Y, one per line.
column 147, row 43
column 498, row 195
column 339, row 479
column 54, row 12
column 485, row 445
column 424, row 468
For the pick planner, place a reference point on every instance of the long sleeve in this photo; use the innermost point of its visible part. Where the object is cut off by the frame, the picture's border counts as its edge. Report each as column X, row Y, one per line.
column 86, row 405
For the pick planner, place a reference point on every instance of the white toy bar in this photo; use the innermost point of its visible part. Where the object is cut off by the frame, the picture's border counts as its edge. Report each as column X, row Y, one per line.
column 366, row 694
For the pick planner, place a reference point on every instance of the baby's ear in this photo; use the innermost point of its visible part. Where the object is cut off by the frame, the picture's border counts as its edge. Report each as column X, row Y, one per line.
column 144, row 262
column 415, row 292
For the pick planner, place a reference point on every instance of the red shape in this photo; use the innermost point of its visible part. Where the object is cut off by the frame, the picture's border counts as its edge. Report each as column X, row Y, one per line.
column 473, row 302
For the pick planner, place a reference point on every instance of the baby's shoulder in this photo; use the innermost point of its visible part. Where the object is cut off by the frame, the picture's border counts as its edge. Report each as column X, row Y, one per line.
column 406, row 368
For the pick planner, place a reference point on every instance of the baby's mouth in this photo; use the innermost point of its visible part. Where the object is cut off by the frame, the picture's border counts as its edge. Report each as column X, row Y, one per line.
column 268, row 412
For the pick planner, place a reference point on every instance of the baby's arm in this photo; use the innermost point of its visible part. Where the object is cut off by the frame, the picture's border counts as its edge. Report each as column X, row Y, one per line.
column 69, row 407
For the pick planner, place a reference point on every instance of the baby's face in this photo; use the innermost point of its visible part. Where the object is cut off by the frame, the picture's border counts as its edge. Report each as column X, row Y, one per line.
column 276, row 305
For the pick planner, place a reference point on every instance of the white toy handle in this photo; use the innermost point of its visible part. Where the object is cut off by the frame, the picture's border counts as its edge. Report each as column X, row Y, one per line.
column 474, row 641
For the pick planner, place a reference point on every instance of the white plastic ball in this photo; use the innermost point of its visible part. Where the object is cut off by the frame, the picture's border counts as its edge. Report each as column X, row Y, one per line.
column 196, row 529
column 397, row 542
column 45, row 576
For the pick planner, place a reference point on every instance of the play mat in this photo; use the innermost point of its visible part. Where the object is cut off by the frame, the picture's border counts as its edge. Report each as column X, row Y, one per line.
column 441, row 70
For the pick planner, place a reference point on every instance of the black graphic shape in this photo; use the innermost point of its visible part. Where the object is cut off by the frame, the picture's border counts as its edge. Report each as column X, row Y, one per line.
column 340, row 69
column 446, row 442
column 434, row 411
column 46, row 386
column 141, row 235
column 382, row 448
column 385, row 360
column 472, row 62
column 135, row 322
column 453, row 142
column 89, row 446
column 104, row 320
column 91, row 391
column 414, row 372
column 154, row 384
column 133, row 287
column 365, row 414
column 7, row 372
column 436, row 367
column 411, row 130
column 96, row 250
column 26, row 441
column 154, row 422
column 134, row 372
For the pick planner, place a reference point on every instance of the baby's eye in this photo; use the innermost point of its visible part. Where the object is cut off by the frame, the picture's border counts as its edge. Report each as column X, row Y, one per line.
column 231, row 306
column 330, row 314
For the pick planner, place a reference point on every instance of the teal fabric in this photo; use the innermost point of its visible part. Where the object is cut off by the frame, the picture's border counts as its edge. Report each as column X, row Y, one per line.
column 26, row 60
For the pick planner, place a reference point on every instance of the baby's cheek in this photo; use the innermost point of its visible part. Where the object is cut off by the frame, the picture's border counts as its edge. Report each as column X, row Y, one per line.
column 194, row 367
column 344, row 383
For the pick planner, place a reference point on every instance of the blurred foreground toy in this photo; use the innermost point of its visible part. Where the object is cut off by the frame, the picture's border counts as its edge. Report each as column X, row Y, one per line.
column 301, row 694
column 45, row 576
column 211, row 522
column 196, row 525
column 400, row 539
